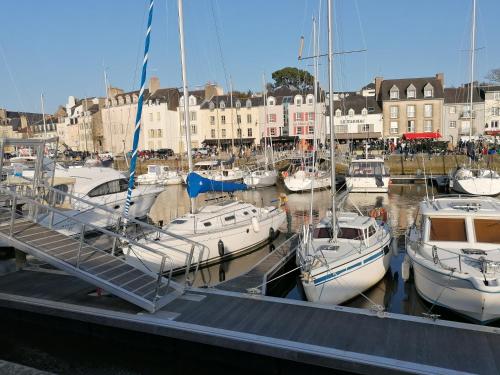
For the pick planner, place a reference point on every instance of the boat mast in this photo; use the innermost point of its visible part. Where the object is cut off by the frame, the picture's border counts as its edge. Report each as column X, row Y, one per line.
column 315, row 142
column 332, row 127
column 43, row 115
column 472, row 58
column 137, row 130
column 186, row 97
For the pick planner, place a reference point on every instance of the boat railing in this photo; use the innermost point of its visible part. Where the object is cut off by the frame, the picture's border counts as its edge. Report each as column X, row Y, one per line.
column 118, row 220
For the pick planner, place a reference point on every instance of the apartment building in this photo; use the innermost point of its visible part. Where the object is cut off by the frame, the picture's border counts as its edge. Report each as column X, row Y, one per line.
column 492, row 110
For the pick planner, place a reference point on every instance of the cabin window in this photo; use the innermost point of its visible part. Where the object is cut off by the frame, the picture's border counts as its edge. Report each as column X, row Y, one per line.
column 245, row 212
column 448, row 229
column 207, row 224
column 487, row 230
column 179, row 221
column 350, row 233
column 111, row 187
column 371, row 231
column 254, row 210
column 229, row 218
column 322, row 233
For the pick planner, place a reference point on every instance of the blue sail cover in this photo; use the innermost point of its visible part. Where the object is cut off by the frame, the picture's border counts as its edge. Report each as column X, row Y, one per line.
column 197, row 184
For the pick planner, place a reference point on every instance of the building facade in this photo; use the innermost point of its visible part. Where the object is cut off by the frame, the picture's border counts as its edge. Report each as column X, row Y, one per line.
column 492, row 110
column 411, row 105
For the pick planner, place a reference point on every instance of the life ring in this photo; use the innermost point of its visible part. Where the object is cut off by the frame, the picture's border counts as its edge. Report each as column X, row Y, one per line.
column 284, row 174
column 379, row 213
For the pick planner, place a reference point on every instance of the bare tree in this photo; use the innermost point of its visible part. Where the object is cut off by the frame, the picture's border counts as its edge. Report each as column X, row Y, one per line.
column 494, row 75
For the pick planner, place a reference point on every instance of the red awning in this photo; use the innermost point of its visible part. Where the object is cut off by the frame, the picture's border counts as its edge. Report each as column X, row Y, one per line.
column 492, row 132
column 430, row 135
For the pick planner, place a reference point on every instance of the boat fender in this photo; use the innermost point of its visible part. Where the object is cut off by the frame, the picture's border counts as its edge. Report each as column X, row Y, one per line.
column 395, row 248
column 271, row 234
column 220, row 246
column 405, row 268
column 255, row 224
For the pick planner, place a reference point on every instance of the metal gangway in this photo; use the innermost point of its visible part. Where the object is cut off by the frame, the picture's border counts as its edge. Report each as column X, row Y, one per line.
column 27, row 224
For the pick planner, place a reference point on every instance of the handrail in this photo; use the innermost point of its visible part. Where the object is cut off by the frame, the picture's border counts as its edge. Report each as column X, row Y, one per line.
column 121, row 216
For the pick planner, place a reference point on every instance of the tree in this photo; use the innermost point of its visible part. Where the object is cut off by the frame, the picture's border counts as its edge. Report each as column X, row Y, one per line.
column 494, row 75
column 289, row 76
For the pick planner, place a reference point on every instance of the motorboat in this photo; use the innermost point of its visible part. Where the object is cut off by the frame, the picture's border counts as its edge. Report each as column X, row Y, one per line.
column 225, row 174
column 367, row 175
column 159, row 175
column 335, row 272
column 453, row 250
column 306, row 179
column 203, row 168
column 485, row 182
column 227, row 228
column 261, row 178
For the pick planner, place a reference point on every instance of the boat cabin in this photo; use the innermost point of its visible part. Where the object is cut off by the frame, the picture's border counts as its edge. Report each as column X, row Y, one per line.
column 367, row 168
column 351, row 227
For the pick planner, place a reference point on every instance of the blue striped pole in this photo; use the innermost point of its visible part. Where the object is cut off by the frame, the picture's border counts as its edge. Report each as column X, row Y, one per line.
column 137, row 129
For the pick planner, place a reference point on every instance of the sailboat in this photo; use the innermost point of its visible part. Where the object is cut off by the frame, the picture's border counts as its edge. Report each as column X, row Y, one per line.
column 226, row 227
column 466, row 180
column 346, row 253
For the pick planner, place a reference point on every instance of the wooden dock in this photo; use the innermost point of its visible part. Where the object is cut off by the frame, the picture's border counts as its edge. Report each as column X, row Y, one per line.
column 314, row 335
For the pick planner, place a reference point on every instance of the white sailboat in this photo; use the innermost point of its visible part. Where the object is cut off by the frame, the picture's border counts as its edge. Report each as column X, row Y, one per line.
column 485, row 182
column 453, row 251
column 346, row 253
column 159, row 175
column 226, row 228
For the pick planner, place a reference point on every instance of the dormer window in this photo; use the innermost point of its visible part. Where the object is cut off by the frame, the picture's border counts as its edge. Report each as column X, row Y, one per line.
column 411, row 92
column 211, row 106
column 127, row 99
column 120, row 100
column 298, row 100
column 135, row 98
column 181, row 101
column 310, row 99
column 364, row 111
column 394, row 93
column 428, row 91
column 249, row 103
column 271, row 101
column 222, row 105
column 338, row 113
column 238, row 104
column 351, row 112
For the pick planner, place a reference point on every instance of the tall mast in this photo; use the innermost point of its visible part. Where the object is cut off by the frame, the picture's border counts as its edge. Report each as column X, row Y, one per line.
column 472, row 58
column 106, row 85
column 332, row 127
column 43, row 115
column 315, row 54
column 138, row 117
column 186, row 96
column 232, row 113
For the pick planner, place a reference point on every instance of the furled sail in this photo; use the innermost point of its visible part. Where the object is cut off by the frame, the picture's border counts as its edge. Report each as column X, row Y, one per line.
column 197, row 184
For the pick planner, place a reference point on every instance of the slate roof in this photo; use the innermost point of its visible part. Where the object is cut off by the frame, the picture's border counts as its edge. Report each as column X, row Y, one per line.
column 490, row 88
column 169, row 95
column 356, row 102
column 402, row 85
column 461, row 94
column 256, row 101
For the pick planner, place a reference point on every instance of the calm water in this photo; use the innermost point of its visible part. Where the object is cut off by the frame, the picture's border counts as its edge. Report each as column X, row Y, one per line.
column 61, row 351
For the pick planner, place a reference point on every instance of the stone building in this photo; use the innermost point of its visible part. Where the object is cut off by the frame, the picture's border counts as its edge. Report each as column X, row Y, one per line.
column 492, row 110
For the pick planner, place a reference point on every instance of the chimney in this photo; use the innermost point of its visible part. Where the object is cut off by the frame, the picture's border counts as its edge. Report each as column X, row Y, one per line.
column 113, row 91
column 378, row 84
column 3, row 114
column 211, row 90
column 440, row 78
column 154, row 84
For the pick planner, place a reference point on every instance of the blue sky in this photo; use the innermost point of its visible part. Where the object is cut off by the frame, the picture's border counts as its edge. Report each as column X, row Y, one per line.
column 61, row 47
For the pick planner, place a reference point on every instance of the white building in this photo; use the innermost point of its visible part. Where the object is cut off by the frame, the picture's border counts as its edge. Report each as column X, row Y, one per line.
column 492, row 110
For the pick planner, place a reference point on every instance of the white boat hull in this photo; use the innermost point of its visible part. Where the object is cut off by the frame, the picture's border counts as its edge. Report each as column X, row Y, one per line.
column 485, row 186
column 455, row 293
column 337, row 285
column 298, row 184
column 258, row 181
column 367, row 185
column 236, row 239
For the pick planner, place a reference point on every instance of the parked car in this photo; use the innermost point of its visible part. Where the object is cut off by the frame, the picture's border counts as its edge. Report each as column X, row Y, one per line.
column 165, row 152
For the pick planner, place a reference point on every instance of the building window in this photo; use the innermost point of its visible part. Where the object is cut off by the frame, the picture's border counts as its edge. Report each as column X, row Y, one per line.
column 211, row 106
column 494, row 124
column 238, row 119
column 248, row 103
column 351, row 112
column 311, row 129
column 249, row 119
column 299, row 130
column 238, row 132
column 411, row 94
column 223, row 133
column 192, row 116
column 453, row 124
column 151, row 117
column 271, row 102
column 272, row 131
column 271, row 117
column 427, row 125
column 299, row 116
column 394, row 93
column 411, row 126
column 428, row 91
column 410, row 111
column 298, row 101
column 338, row 113
column 249, row 132
column 222, row 105
column 238, row 104
column 193, row 129
column 310, row 116
column 212, row 133
column 495, row 111
column 310, row 99
column 365, row 128
column 158, row 116
column 394, row 111
column 151, row 133
column 364, row 112
column 223, row 120
column 428, row 110
column 452, row 110
column 212, row 120
column 465, row 127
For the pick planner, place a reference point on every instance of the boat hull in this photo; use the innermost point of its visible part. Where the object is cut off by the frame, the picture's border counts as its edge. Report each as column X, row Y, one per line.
column 260, row 181
column 297, row 184
column 484, row 186
column 337, row 285
column 366, row 185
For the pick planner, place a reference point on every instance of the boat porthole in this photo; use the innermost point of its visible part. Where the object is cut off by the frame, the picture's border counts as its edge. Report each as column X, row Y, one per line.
column 248, row 230
column 116, row 207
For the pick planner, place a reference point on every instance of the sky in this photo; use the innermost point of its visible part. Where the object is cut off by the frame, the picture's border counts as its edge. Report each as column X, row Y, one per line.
column 61, row 48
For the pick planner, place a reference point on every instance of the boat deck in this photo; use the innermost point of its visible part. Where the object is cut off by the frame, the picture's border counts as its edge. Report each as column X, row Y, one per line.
column 341, row 338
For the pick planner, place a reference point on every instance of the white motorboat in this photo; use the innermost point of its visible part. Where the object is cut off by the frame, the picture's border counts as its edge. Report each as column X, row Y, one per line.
column 226, row 228
column 261, row 178
column 485, row 182
column 159, row 175
column 224, row 174
column 336, row 272
column 367, row 175
column 203, row 168
column 453, row 250
column 307, row 179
